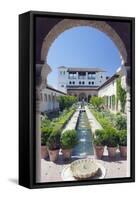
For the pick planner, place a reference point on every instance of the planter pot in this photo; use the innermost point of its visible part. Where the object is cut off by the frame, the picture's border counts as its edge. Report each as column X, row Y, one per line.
column 99, row 150
column 112, row 151
column 123, row 151
column 44, row 152
column 67, row 153
column 53, row 154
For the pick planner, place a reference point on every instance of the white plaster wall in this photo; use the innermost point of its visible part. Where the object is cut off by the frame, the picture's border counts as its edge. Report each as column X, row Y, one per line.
column 62, row 79
column 49, row 105
column 108, row 90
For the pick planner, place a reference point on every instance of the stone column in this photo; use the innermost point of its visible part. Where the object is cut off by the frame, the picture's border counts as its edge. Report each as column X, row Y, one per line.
column 38, row 136
column 128, row 131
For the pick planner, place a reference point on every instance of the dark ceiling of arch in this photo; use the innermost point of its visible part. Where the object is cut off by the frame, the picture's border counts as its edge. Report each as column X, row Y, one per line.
column 45, row 24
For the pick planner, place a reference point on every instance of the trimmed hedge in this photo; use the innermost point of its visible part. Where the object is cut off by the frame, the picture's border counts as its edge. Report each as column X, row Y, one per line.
column 51, row 127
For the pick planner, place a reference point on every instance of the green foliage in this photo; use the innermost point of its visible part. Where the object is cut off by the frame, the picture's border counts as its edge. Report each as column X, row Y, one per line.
column 111, row 137
column 114, row 126
column 113, row 101
column 45, row 133
column 122, row 137
column 51, row 130
column 53, row 141
column 100, row 116
column 120, row 122
column 68, row 139
column 121, row 94
column 66, row 101
column 99, row 137
column 97, row 102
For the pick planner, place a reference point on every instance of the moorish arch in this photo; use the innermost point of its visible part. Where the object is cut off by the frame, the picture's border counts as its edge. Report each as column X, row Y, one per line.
column 48, row 29
column 69, row 23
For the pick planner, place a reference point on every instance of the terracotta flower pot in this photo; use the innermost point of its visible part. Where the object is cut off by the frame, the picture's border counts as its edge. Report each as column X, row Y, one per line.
column 44, row 152
column 112, row 151
column 99, row 150
column 53, row 154
column 123, row 151
column 67, row 153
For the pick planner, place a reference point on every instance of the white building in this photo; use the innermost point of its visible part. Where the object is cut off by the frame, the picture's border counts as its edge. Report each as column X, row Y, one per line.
column 108, row 90
column 49, row 99
column 80, row 77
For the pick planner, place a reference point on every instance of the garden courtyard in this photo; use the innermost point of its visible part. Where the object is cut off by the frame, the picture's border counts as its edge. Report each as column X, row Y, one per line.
column 83, row 131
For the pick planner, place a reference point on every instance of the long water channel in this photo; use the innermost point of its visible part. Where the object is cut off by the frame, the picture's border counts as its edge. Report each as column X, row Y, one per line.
column 84, row 134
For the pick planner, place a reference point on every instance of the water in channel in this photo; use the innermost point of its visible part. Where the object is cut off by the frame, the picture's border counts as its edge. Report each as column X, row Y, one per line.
column 84, row 146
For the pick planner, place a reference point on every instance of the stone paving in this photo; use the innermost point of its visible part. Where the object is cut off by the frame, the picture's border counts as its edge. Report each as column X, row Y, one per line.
column 51, row 172
column 93, row 122
column 72, row 122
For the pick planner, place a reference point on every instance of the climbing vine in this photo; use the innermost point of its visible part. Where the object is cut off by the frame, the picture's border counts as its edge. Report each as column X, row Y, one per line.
column 121, row 94
column 113, row 101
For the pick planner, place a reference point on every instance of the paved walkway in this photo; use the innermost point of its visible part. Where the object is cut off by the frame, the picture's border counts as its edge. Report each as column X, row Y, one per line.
column 72, row 122
column 51, row 172
column 92, row 120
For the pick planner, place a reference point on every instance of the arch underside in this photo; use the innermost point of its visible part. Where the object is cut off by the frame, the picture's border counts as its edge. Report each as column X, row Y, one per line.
column 70, row 23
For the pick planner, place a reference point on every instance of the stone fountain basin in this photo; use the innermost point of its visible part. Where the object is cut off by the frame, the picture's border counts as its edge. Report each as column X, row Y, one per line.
column 83, row 169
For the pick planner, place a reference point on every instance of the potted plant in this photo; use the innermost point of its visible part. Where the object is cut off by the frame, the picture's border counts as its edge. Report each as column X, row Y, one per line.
column 53, row 144
column 45, row 133
column 123, row 143
column 99, row 142
column 68, row 140
column 111, row 140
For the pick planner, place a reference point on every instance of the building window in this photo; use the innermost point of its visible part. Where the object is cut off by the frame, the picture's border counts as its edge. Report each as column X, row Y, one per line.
column 92, row 83
column 80, row 82
column 82, row 75
column 62, row 85
column 89, row 83
column 91, row 75
column 70, row 82
column 72, row 75
column 101, row 76
column 73, row 82
column 83, row 82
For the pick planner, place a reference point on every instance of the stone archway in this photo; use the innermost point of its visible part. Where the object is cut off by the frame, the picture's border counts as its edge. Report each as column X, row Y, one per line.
column 70, row 23
column 45, row 39
column 82, row 96
column 89, row 97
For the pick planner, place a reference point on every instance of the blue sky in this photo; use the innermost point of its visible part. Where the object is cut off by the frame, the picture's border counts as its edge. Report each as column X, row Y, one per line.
column 82, row 47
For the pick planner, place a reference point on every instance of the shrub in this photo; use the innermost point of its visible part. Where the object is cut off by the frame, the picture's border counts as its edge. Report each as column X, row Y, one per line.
column 122, row 137
column 53, row 141
column 111, row 137
column 121, row 122
column 68, row 139
column 66, row 101
column 45, row 133
column 97, row 102
column 99, row 137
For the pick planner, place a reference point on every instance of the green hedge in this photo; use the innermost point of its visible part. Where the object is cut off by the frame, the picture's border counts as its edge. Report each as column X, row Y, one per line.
column 50, row 127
